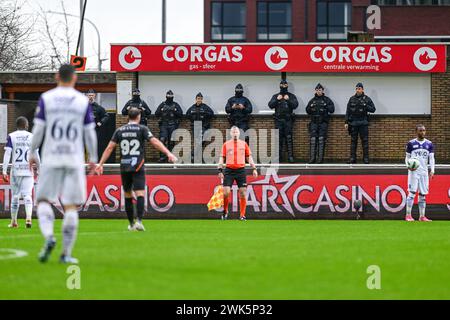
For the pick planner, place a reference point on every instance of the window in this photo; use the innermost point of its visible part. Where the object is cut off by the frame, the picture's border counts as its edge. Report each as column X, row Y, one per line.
column 228, row 21
column 333, row 19
column 412, row 2
column 274, row 21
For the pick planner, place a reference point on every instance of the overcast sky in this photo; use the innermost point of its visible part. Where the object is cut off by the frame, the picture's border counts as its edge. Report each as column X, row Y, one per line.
column 130, row 21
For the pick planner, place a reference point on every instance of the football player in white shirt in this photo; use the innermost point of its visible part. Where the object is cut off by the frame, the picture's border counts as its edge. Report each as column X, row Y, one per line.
column 422, row 150
column 22, row 177
column 64, row 124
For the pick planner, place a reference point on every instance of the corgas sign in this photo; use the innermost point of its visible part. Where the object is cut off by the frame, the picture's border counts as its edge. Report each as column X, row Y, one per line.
column 347, row 54
column 201, row 54
column 377, row 58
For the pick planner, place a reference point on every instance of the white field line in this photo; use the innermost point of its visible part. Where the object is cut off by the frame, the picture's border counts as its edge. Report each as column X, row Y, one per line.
column 18, row 236
column 7, row 254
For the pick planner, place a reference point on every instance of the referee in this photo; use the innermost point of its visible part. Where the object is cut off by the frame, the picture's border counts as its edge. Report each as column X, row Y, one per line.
column 235, row 153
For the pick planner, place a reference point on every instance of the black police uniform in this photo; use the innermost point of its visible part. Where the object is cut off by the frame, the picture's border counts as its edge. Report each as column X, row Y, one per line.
column 201, row 113
column 239, row 117
column 137, row 102
column 100, row 115
column 131, row 138
column 169, row 113
column 357, row 119
column 319, row 108
column 284, row 120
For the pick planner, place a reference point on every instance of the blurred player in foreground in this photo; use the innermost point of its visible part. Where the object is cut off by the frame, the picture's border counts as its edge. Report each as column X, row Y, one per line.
column 131, row 138
column 18, row 145
column 64, row 124
column 423, row 150
column 235, row 153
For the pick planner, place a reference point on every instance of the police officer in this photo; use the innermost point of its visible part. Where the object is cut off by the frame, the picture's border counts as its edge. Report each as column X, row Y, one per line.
column 284, row 104
column 357, row 122
column 239, row 108
column 169, row 113
column 319, row 108
column 137, row 102
column 100, row 114
column 199, row 112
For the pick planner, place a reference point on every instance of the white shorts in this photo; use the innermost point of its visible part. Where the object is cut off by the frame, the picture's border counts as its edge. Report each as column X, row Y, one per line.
column 21, row 186
column 418, row 181
column 66, row 184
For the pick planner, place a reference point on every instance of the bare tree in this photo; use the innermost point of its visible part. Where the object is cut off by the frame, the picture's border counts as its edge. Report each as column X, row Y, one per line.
column 40, row 40
column 17, row 38
column 67, row 33
column 56, row 35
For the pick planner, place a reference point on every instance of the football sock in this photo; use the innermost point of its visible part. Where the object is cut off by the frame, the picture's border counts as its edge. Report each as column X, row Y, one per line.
column 129, row 210
column 226, row 201
column 28, row 207
column 242, row 205
column 69, row 230
column 409, row 203
column 140, row 207
column 46, row 218
column 422, row 205
column 14, row 208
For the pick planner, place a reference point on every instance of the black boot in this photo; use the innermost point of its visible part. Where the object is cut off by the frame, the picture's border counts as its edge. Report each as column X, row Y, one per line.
column 353, row 145
column 312, row 149
column 280, row 150
column 290, row 149
column 365, row 145
column 321, row 149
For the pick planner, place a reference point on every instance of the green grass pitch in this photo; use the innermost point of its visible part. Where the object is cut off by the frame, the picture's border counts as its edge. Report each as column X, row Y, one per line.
column 213, row 259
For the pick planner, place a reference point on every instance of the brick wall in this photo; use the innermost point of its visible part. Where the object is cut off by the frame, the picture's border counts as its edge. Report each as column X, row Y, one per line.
column 420, row 20
column 395, row 20
column 414, row 20
column 127, row 76
column 386, row 143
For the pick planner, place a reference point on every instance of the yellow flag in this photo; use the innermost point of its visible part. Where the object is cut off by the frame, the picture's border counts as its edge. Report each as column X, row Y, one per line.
column 216, row 200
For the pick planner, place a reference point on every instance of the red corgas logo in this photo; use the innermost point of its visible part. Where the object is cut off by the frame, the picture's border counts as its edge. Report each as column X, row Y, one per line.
column 425, row 59
column 130, row 58
column 276, row 58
